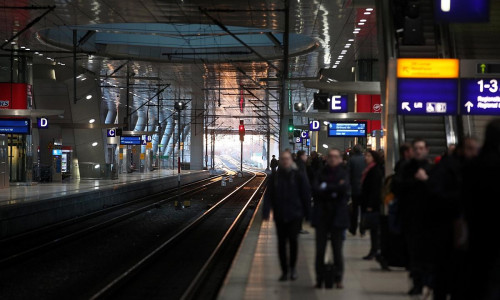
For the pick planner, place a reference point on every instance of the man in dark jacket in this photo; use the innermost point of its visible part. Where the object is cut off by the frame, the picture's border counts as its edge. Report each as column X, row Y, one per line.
column 331, row 214
column 288, row 195
column 355, row 167
column 446, row 215
column 481, row 210
column 411, row 188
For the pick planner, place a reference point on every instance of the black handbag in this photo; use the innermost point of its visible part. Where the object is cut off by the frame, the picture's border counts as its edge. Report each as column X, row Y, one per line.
column 370, row 220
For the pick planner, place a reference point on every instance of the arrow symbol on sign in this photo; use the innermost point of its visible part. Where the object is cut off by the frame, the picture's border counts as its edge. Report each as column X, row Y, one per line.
column 406, row 105
column 469, row 105
column 483, row 68
column 406, row 69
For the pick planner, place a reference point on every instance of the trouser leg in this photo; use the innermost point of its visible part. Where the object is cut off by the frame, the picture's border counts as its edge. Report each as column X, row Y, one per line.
column 293, row 236
column 415, row 264
column 375, row 240
column 355, row 215
column 338, row 256
column 282, row 239
column 320, row 253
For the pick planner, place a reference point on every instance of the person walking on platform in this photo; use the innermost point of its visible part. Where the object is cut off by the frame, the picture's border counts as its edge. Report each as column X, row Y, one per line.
column 274, row 164
column 331, row 215
column 412, row 190
column 481, row 210
column 288, row 195
column 371, row 199
column 446, row 215
column 355, row 167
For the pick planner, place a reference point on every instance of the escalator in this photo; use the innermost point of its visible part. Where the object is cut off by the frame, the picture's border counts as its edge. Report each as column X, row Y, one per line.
column 415, row 45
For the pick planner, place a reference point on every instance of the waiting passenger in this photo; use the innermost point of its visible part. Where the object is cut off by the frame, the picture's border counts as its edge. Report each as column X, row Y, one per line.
column 481, row 208
column 371, row 199
column 414, row 199
column 301, row 161
column 405, row 154
column 301, row 165
column 355, row 167
column 274, row 164
column 288, row 195
column 331, row 215
column 446, row 216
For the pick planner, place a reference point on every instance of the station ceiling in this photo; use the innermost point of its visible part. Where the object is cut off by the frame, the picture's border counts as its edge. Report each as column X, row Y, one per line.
column 181, row 44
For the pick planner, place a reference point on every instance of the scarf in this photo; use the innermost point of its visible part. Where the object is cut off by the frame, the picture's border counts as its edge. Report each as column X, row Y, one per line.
column 366, row 170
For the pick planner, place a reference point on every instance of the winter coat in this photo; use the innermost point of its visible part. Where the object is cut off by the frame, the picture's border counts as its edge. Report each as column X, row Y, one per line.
column 330, row 210
column 288, row 194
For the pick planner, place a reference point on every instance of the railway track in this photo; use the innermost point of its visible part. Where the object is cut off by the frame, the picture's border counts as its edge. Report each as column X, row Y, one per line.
column 18, row 247
column 179, row 267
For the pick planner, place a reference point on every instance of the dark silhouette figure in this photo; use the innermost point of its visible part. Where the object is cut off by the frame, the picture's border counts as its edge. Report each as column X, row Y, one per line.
column 355, row 167
column 481, row 210
column 371, row 199
column 274, row 164
column 411, row 188
column 288, row 195
column 331, row 215
column 446, row 216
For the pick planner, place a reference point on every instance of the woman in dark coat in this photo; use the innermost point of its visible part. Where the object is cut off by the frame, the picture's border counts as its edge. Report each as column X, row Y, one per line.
column 371, row 199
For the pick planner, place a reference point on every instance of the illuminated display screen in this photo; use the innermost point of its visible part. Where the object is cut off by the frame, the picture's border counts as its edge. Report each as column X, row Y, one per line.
column 130, row 140
column 347, row 129
column 428, row 68
column 14, row 126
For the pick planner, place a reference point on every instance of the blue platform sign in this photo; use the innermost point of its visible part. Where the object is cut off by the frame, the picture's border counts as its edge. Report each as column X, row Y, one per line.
column 15, row 126
column 314, row 126
column 298, row 140
column 462, row 11
column 347, row 129
column 130, row 140
column 304, row 134
column 338, row 103
column 480, row 96
column 434, row 96
column 42, row 123
column 111, row 132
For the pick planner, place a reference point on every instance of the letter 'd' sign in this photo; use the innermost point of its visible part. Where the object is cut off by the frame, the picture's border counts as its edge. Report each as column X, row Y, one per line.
column 42, row 123
column 314, row 126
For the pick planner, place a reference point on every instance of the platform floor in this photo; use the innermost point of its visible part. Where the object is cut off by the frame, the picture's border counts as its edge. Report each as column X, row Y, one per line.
column 16, row 194
column 255, row 272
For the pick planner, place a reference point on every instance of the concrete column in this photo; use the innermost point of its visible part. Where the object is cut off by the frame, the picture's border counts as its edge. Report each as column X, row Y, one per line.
column 197, row 131
column 197, row 120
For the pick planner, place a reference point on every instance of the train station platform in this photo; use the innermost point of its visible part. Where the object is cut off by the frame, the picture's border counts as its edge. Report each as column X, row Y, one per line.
column 255, row 270
column 27, row 207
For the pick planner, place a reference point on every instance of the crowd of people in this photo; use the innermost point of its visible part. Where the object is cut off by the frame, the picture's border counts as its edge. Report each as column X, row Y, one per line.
column 437, row 216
